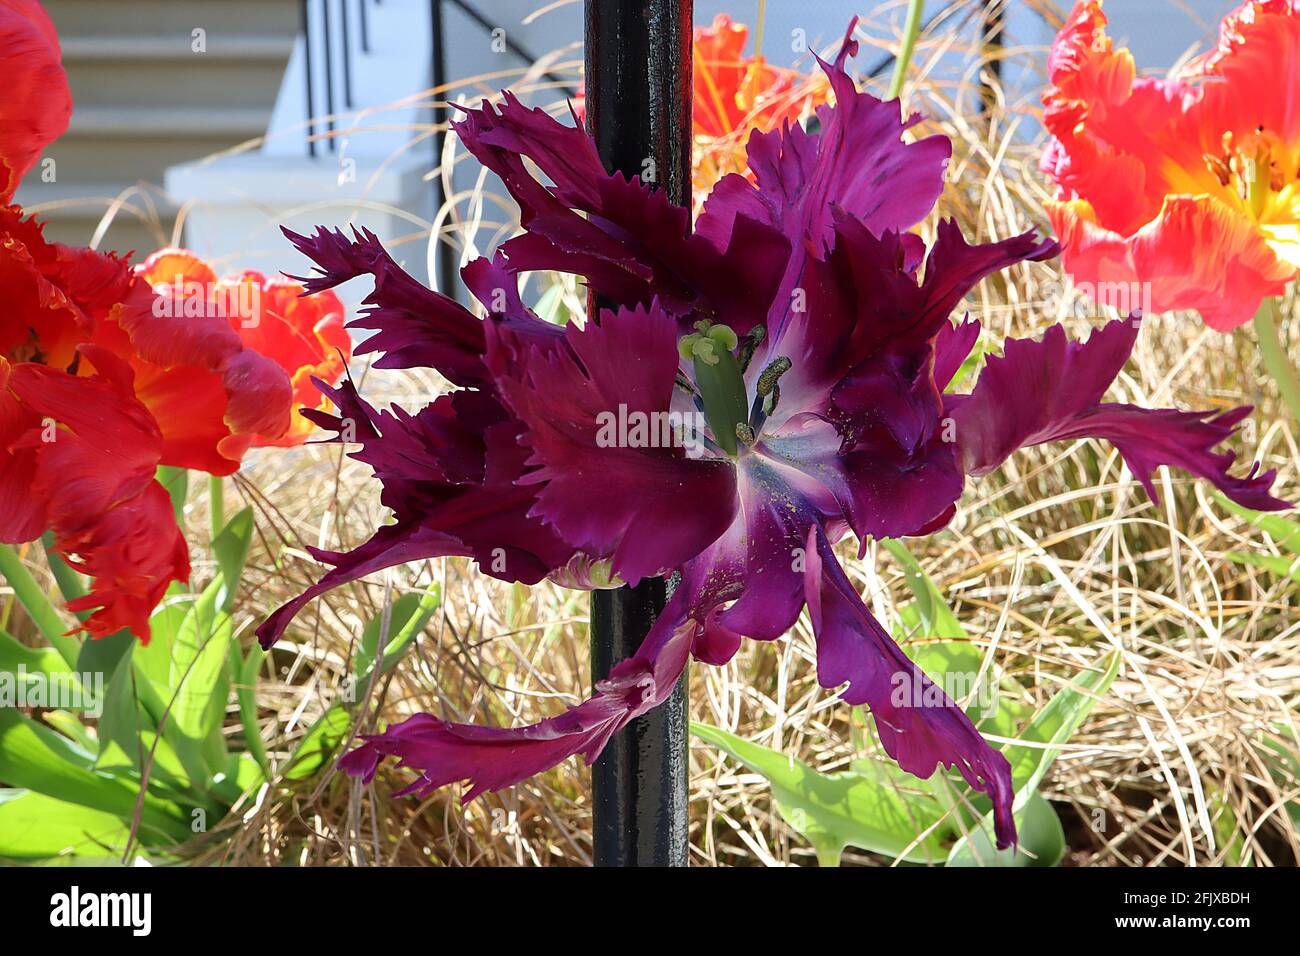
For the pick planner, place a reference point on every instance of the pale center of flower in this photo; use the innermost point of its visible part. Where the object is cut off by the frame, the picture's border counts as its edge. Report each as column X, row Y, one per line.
column 1256, row 167
column 719, row 360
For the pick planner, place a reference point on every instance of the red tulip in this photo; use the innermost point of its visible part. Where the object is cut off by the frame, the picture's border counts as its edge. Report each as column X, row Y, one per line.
column 36, row 103
column 303, row 336
column 103, row 379
column 1156, row 185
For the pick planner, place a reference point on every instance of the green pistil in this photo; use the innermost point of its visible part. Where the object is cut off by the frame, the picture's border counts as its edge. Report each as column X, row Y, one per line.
column 704, row 344
column 705, row 351
column 1257, row 186
column 719, row 380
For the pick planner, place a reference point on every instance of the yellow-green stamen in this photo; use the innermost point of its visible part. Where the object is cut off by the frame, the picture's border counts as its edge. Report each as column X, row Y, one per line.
column 771, row 375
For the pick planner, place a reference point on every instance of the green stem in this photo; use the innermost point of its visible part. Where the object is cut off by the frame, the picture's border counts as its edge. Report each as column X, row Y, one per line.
column 37, row 604
column 244, row 680
column 216, row 504
column 69, row 581
column 911, row 30
column 1275, row 358
column 176, row 481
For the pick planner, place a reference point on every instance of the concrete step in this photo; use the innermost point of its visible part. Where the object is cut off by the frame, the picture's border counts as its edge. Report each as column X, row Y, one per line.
column 236, row 71
column 177, row 18
column 107, row 144
column 150, row 92
column 130, row 121
column 128, row 47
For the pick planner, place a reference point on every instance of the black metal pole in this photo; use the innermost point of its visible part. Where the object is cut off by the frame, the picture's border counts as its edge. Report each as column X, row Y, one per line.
column 445, row 256
column 638, row 76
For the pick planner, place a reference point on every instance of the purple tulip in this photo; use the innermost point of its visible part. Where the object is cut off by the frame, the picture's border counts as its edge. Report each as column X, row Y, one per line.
column 765, row 385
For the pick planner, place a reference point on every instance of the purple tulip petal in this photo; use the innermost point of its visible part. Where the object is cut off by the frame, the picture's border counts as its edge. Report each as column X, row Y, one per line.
column 450, row 475
column 626, row 239
column 415, row 326
column 1050, row 390
column 390, row 546
column 857, row 162
column 952, row 348
column 491, row 758
column 867, row 316
column 881, row 488
column 767, row 555
column 610, row 490
column 716, row 644
column 919, row 725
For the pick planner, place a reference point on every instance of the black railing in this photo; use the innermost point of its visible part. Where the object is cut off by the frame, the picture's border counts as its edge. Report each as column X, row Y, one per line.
column 321, row 89
column 992, row 26
column 309, row 75
column 331, row 11
column 322, row 83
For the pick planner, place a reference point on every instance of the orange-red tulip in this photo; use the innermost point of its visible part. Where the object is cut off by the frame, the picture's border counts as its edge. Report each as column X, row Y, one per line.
column 735, row 93
column 303, row 336
column 103, row 378
column 98, row 389
column 36, row 104
column 1157, row 177
column 80, row 456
